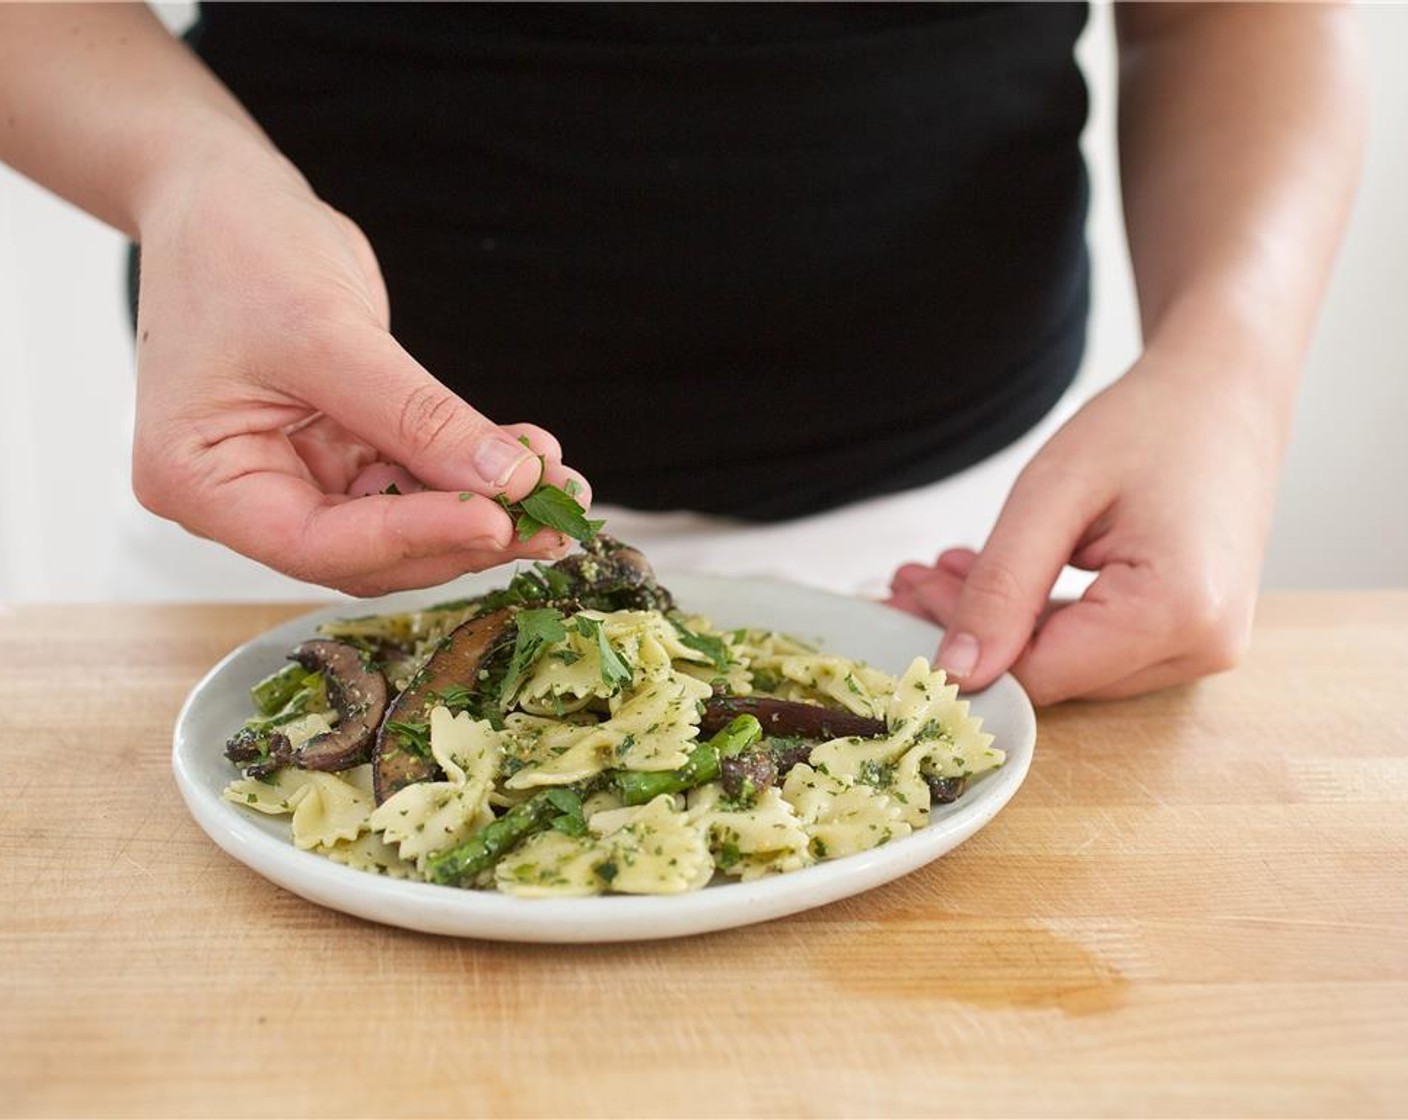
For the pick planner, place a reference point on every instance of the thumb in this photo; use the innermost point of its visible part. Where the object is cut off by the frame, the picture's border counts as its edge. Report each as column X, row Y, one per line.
column 376, row 390
column 1008, row 585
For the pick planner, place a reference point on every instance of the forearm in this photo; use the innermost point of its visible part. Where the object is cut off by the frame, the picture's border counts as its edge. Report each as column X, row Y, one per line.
column 100, row 104
column 1240, row 135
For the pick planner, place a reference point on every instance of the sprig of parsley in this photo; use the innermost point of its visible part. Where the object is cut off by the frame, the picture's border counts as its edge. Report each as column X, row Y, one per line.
column 551, row 507
column 537, row 628
column 546, row 507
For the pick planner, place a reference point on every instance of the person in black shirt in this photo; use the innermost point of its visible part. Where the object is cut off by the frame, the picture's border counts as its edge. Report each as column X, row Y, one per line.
column 751, row 260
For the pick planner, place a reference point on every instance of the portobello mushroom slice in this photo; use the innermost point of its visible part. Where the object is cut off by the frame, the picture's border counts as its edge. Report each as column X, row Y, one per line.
column 784, row 722
column 358, row 694
column 398, row 759
column 785, row 718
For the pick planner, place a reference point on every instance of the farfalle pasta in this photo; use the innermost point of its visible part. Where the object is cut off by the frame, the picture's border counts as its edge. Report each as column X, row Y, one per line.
column 576, row 734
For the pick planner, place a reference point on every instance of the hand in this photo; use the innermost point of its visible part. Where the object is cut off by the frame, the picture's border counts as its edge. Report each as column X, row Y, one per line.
column 273, row 402
column 1163, row 485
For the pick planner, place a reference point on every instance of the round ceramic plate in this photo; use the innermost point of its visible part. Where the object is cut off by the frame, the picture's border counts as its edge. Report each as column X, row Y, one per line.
column 867, row 631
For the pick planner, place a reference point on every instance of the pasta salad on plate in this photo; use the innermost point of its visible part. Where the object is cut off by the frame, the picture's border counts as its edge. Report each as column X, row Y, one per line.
column 578, row 732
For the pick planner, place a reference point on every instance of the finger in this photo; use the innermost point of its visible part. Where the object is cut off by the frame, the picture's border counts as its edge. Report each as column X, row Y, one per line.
column 333, row 456
column 384, row 396
column 384, row 478
column 554, row 472
column 1009, row 582
column 430, row 572
column 1113, row 633
column 1166, row 674
column 330, row 453
column 380, row 478
column 906, row 602
column 920, row 602
column 540, row 440
column 289, row 524
column 908, row 575
column 1150, row 678
column 938, row 595
column 957, row 561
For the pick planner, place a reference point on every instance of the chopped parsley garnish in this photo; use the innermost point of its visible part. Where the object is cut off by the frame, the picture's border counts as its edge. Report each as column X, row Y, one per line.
column 880, row 775
column 615, row 672
column 711, row 647
column 765, row 681
column 931, row 730
column 570, row 820
column 537, row 628
column 455, row 697
column 415, row 737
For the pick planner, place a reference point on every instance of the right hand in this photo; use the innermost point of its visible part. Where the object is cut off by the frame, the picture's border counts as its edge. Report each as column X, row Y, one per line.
column 271, row 392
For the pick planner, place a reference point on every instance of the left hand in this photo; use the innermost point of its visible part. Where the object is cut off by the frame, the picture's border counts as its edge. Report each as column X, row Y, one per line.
column 1163, row 485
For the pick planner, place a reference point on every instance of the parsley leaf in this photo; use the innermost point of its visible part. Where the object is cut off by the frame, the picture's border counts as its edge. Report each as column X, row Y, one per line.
column 415, row 737
column 550, row 507
column 614, row 669
column 456, row 697
column 537, row 628
column 571, row 822
column 711, row 647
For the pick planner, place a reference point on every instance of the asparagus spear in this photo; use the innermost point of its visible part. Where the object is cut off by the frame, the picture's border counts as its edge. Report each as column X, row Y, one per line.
column 637, row 787
column 458, row 866
column 277, row 689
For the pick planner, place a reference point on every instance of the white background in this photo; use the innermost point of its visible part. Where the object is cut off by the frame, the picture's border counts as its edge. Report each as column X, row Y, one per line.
column 67, row 519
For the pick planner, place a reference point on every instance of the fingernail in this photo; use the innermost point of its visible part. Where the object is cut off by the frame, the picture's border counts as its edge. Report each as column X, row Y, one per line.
column 496, row 459
column 958, row 656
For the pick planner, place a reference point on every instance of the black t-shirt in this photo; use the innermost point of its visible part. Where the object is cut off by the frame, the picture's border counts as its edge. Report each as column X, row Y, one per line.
column 747, row 259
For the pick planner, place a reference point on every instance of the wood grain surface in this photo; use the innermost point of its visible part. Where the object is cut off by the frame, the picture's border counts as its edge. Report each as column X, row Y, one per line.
column 1196, row 905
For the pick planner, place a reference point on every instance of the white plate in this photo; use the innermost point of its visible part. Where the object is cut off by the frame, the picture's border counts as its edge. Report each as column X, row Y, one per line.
column 877, row 634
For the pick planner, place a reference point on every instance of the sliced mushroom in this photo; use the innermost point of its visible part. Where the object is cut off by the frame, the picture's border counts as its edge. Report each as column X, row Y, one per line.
column 789, row 717
column 359, row 695
column 609, row 575
column 943, row 791
column 396, row 760
column 748, row 773
column 787, row 753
